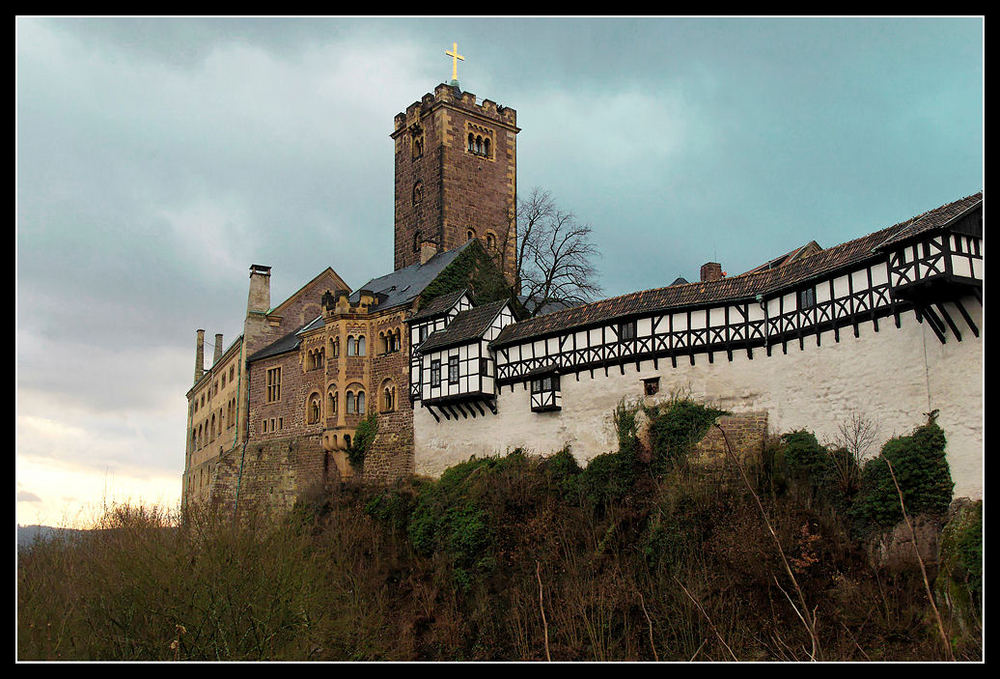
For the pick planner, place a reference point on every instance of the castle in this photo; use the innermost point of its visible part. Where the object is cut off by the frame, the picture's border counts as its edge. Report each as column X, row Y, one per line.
column 441, row 354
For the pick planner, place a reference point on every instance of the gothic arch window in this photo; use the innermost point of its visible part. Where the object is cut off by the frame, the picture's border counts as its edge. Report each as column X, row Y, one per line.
column 418, row 147
column 486, row 148
column 470, row 234
column 491, row 240
column 472, row 143
column 418, row 193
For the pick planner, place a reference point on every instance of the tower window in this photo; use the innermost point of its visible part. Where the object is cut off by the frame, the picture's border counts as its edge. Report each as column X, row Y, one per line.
column 418, row 193
column 470, row 234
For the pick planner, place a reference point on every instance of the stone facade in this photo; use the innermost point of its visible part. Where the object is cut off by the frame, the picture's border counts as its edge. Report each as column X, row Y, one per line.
column 456, row 175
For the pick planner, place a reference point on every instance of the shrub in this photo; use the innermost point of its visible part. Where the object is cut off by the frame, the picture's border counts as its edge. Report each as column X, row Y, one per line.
column 922, row 473
column 564, row 474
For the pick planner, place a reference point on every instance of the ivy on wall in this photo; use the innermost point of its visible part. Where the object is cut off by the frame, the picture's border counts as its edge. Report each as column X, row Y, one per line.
column 473, row 269
column 364, row 435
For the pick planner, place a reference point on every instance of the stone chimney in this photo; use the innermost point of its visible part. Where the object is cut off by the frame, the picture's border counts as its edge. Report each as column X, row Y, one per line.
column 259, row 300
column 199, row 356
column 711, row 271
column 427, row 250
column 218, row 348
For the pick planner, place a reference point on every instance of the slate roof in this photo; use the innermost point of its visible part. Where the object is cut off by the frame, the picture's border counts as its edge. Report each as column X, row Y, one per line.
column 466, row 326
column 404, row 285
column 394, row 289
column 439, row 305
column 739, row 287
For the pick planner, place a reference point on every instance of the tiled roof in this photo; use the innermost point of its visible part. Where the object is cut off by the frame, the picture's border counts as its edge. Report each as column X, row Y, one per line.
column 934, row 219
column 439, row 305
column 466, row 326
column 286, row 343
column 735, row 287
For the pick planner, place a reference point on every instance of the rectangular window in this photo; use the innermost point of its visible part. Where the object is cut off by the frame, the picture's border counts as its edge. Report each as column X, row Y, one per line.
column 547, row 383
column 263, row 426
column 484, row 367
column 453, row 369
column 423, row 333
column 807, row 298
column 273, row 384
column 232, row 369
column 626, row 331
column 435, row 373
column 280, row 425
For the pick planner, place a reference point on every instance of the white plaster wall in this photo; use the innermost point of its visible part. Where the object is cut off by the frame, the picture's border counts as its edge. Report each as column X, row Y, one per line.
column 894, row 376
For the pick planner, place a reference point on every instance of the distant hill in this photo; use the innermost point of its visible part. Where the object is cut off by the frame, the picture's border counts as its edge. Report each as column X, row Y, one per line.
column 27, row 535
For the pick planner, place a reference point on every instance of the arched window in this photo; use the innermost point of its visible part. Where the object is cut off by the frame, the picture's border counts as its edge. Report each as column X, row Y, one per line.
column 331, row 402
column 212, row 430
column 361, row 403
column 416, row 241
column 350, row 402
column 312, row 409
column 336, row 347
column 472, row 143
column 491, row 241
column 479, row 145
column 418, row 147
column 486, row 148
column 361, row 345
column 347, row 440
column 351, row 347
column 389, row 398
column 470, row 234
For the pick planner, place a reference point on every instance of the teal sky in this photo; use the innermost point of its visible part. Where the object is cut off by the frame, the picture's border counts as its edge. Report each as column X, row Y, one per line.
column 158, row 158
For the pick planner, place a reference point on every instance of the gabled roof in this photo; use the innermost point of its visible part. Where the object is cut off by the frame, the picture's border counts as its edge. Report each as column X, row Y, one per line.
column 394, row 289
column 465, row 327
column 733, row 288
column 440, row 305
column 809, row 248
column 404, row 285
column 277, row 310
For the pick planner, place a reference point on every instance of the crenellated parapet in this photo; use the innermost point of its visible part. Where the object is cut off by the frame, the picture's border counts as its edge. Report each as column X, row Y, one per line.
column 445, row 94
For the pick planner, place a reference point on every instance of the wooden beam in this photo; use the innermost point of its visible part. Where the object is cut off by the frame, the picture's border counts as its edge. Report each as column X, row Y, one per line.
column 951, row 323
column 968, row 319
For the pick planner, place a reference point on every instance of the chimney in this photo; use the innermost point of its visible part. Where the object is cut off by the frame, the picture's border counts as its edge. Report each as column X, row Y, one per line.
column 218, row 348
column 711, row 271
column 428, row 249
column 259, row 300
column 199, row 356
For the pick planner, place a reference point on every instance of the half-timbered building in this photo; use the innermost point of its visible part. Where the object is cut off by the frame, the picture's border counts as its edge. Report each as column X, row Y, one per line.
column 888, row 324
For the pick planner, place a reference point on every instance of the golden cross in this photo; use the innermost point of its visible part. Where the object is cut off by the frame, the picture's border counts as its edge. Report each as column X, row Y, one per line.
column 455, row 56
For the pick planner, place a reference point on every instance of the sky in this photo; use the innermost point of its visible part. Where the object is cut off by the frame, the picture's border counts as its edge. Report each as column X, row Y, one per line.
column 158, row 158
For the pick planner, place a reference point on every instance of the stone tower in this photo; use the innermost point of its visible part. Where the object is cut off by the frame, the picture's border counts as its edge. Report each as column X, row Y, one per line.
column 456, row 176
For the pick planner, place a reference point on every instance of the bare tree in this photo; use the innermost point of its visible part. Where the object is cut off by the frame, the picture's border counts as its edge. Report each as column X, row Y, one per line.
column 553, row 261
column 855, row 436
